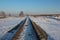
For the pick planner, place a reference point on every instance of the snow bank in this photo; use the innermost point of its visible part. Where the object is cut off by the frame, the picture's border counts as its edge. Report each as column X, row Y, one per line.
column 51, row 26
column 8, row 23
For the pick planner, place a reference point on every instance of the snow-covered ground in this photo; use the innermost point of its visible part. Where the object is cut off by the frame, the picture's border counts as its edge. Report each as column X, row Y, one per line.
column 56, row 18
column 28, row 32
column 7, row 24
column 51, row 26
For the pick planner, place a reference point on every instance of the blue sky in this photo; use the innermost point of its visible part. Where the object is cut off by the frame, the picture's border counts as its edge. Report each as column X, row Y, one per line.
column 30, row 6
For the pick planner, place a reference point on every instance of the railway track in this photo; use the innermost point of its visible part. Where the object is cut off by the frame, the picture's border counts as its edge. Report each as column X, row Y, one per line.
column 40, row 32
column 26, row 30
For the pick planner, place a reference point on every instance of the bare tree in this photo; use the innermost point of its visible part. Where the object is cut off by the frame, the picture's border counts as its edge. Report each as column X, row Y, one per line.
column 3, row 14
column 21, row 13
column 9, row 14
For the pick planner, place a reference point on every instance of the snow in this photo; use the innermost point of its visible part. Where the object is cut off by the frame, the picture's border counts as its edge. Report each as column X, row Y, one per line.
column 56, row 18
column 51, row 26
column 7, row 24
column 28, row 33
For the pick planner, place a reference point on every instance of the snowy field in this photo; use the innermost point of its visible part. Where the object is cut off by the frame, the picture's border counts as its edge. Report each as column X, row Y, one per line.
column 51, row 26
column 8, row 23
